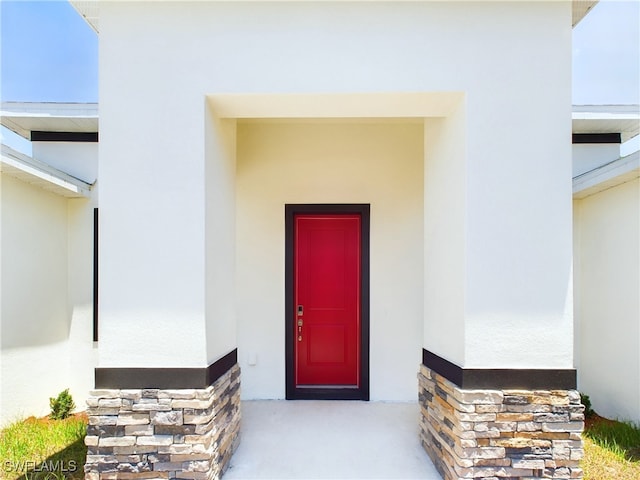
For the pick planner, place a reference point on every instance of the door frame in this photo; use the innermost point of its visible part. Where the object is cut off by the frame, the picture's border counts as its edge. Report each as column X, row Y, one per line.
column 320, row 393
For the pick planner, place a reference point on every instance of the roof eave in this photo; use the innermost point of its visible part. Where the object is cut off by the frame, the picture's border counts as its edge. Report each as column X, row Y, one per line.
column 580, row 9
column 89, row 10
column 604, row 177
column 41, row 175
column 25, row 117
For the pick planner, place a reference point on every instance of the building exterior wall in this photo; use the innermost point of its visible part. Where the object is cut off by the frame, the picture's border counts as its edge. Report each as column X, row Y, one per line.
column 588, row 156
column 83, row 351
column 220, row 235
column 499, row 204
column 375, row 162
column 78, row 159
column 444, row 236
column 606, row 238
column 517, row 206
column 35, row 323
column 47, row 292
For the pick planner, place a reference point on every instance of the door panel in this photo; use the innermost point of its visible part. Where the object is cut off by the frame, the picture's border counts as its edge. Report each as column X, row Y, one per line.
column 328, row 346
column 327, row 283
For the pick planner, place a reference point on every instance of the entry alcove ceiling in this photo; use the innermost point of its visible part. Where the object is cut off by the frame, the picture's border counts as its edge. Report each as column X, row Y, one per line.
column 335, row 105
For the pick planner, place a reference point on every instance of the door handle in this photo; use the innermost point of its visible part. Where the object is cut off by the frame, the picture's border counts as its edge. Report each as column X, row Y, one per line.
column 300, row 312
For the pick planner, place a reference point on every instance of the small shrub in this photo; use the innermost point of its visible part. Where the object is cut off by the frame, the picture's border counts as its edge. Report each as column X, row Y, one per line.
column 62, row 406
column 586, row 401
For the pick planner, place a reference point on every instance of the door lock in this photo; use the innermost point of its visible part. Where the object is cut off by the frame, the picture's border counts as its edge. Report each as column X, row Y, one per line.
column 300, row 311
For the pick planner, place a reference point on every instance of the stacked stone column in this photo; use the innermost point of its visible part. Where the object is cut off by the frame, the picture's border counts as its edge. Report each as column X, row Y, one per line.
column 500, row 434
column 163, row 434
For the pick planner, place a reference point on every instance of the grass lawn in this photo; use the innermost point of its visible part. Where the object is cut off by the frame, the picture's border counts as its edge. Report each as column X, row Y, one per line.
column 43, row 449
column 612, row 450
column 33, row 448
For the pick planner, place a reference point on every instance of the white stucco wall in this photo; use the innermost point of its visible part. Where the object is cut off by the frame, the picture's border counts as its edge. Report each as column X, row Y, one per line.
column 377, row 162
column 47, row 296
column 512, row 62
column 35, row 323
column 586, row 157
column 83, row 352
column 444, row 236
column 220, row 240
column 80, row 160
column 607, row 255
column 75, row 158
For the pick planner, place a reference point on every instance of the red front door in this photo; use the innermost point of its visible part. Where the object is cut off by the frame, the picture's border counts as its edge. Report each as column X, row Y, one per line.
column 327, row 278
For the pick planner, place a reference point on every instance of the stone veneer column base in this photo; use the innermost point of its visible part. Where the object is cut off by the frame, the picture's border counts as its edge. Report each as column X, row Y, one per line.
column 500, row 434
column 163, row 434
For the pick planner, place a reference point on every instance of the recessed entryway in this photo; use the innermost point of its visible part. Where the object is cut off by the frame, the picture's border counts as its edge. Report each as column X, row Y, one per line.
column 316, row 162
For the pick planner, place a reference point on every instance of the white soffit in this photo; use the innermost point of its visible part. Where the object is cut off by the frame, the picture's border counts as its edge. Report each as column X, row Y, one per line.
column 25, row 117
column 623, row 119
column 90, row 9
column 607, row 176
column 579, row 10
column 335, row 105
column 41, row 175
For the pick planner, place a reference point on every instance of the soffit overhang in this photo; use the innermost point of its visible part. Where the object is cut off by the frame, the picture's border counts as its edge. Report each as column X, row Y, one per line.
column 41, row 175
column 594, row 119
column 90, row 9
column 26, row 117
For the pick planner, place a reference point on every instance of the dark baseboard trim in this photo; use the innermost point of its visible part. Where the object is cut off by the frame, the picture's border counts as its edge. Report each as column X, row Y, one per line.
column 221, row 366
column 501, row 378
column 327, row 394
column 448, row 370
column 165, row 378
column 40, row 136
column 578, row 138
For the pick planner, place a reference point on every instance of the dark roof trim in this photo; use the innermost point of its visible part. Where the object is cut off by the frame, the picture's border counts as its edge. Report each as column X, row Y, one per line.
column 40, row 136
column 596, row 138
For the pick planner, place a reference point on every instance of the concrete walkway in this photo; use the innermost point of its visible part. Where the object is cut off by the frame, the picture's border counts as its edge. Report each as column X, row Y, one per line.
column 329, row 440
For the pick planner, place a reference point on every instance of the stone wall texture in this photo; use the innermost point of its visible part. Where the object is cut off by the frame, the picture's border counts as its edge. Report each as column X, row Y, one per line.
column 500, row 434
column 163, row 434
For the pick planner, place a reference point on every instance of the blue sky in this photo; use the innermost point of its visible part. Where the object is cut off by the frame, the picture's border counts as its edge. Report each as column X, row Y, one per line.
column 48, row 53
column 606, row 54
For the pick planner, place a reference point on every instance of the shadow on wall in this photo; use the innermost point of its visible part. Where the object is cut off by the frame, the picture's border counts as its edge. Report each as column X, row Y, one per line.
column 34, row 266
